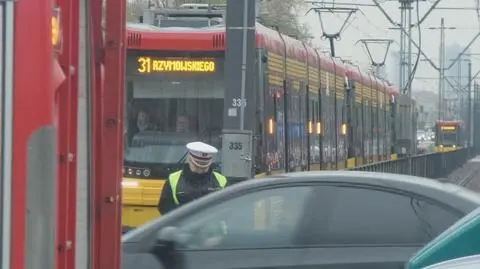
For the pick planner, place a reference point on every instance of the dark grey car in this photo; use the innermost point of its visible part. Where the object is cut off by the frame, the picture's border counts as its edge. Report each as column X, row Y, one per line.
column 309, row 220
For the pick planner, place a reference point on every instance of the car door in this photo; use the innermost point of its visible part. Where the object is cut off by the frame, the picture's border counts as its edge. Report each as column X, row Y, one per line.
column 255, row 230
column 365, row 227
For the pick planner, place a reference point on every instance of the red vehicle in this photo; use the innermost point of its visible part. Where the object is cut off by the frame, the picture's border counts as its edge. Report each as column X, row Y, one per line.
column 338, row 116
column 39, row 72
column 31, row 76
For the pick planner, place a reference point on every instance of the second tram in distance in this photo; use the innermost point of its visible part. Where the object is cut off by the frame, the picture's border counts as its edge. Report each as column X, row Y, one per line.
column 449, row 135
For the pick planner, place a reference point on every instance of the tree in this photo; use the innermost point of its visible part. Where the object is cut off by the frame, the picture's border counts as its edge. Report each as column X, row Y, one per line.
column 281, row 14
column 284, row 15
column 135, row 9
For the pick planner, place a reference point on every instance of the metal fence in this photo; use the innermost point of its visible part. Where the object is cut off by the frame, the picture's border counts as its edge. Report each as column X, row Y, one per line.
column 432, row 165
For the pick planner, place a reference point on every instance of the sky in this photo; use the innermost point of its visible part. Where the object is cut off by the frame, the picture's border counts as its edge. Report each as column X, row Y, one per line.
column 370, row 23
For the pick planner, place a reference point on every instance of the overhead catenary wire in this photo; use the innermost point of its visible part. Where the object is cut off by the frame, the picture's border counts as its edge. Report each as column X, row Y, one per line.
column 474, row 77
column 427, row 58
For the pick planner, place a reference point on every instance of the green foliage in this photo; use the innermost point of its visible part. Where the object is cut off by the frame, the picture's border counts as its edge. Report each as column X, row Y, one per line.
column 135, row 9
column 284, row 15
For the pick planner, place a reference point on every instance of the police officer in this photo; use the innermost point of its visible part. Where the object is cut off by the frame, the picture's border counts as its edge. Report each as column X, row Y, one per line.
column 195, row 180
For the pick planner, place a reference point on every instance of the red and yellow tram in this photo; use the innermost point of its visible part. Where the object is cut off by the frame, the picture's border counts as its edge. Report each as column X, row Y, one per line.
column 175, row 94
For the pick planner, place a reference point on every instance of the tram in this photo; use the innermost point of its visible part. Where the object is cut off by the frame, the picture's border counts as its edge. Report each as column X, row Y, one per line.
column 175, row 94
column 449, row 135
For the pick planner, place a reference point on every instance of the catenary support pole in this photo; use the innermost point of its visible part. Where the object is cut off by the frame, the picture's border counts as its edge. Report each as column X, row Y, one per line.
column 469, row 106
column 240, row 95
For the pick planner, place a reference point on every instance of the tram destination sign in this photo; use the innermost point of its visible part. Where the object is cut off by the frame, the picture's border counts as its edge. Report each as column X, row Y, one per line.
column 156, row 65
column 448, row 128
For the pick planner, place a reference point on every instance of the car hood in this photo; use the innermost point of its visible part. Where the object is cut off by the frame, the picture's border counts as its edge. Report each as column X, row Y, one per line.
column 460, row 240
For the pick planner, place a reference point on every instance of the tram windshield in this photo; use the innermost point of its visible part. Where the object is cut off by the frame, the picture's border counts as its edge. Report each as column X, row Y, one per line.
column 448, row 135
column 166, row 111
column 449, row 139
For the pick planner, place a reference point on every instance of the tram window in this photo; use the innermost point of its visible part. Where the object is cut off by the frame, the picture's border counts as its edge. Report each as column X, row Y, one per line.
column 166, row 114
column 449, row 139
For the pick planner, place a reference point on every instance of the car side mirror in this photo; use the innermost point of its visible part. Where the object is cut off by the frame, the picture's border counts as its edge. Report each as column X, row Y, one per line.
column 168, row 236
column 166, row 241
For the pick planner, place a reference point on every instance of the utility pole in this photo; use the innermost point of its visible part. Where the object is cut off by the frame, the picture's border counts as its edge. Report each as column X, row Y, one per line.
column 441, row 69
column 469, row 109
column 237, row 138
column 405, row 26
column 474, row 104
column 441, row 79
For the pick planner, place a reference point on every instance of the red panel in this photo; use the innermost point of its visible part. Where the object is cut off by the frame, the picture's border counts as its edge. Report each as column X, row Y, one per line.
column 312, row 57
column 449, row 123
column 67, row 105
column 58, row 75
column 96, row 43
column 108, row 145
column 353, row 73
column 33, row 103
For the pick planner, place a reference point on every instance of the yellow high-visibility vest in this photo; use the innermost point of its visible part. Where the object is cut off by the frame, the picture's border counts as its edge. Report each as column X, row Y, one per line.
column 173, row 179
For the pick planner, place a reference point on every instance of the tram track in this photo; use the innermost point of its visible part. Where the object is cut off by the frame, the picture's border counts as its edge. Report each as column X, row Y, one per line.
column 466, row 181
column 466, row 175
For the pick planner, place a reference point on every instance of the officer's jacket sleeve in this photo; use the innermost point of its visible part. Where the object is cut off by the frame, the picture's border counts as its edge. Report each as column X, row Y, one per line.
column 229, row 183
column 166, row 203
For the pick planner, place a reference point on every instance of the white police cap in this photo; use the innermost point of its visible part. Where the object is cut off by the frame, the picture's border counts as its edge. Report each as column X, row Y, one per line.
column 201, row 150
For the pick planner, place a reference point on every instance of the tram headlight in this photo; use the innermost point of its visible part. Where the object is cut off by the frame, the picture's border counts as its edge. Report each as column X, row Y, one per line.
column 129, row 184
column 146, row 173
column 130, row 171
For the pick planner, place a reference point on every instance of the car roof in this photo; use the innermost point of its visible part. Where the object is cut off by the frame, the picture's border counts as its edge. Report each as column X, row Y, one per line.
column 370, row 178
column 418, row 185
column 421, row 186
